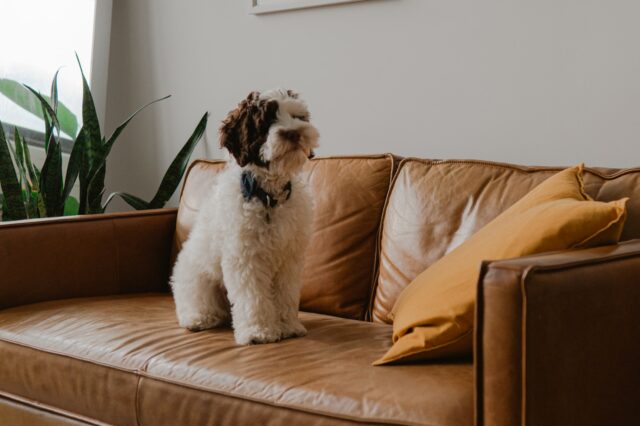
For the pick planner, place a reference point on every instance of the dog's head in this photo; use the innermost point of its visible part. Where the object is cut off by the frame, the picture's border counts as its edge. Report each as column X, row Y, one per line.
column 270, row 130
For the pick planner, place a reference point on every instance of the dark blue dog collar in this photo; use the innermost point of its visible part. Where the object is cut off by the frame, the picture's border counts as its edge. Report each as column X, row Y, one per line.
column 251, row 188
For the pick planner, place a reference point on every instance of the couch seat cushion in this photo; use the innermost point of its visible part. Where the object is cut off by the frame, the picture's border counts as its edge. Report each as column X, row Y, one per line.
column 123, row 360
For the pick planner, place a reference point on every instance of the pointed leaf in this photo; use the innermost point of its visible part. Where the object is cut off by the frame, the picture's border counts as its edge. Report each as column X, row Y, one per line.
column 51, row 179
column 25, row 99
column 86, row 166
column 68, row 120
column 54, row 92
column 25, row 179
column 99, row 164
column 20, row 96
column 132, row 200
column 48, row 132
column 121, row 127
column 89, row 117
column 73, row 168
column 102, row 158
column 46, row 107
column 9, row 181
column 176, row 170
column 31, row 169
column 96, row 190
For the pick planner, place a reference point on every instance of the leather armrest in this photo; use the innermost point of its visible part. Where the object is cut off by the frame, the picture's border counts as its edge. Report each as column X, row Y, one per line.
column 82, row 256
column 557, row 339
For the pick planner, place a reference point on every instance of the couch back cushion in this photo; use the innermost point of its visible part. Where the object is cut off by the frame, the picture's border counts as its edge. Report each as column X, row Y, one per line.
column 434, row 206
column 349, row 195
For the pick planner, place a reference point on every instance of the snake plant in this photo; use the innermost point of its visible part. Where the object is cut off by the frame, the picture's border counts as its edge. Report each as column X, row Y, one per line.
column 29, row 192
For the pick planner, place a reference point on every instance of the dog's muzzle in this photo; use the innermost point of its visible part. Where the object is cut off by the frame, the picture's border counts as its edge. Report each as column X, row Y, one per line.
column 294, row 137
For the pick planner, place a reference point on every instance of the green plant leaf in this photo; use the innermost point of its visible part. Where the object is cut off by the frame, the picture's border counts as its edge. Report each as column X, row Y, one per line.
column 86, row 165
column 9, row 181
column 68, row 120
column 46, row 107
column 51, row 179
column 25, row 180
column 121, row 127
column 71, row 206
column 24, row 155
column 89, row 117
column 73, row 167
column 176, row 170
column 96, row 191
column 20, row 96
column 23, row 97
column 96, row 183
column 132, row 200
column 54, row 92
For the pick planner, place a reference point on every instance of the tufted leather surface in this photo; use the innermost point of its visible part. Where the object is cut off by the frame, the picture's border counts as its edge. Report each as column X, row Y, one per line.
column 124, row 360
column 349, row 195
column 434, row 206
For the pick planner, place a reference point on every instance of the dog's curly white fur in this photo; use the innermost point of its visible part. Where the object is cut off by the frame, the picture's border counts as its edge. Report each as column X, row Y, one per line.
column 243, row 259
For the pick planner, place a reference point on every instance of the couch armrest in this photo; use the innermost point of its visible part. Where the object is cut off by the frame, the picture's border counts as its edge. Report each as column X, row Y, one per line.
column 557, row 339
column 82, row 256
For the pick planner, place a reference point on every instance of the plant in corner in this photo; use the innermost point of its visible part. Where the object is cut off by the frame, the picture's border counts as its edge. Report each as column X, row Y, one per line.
column 29, row 192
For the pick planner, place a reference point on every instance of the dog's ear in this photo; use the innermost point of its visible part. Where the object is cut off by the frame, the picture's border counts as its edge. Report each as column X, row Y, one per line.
column 245, row 129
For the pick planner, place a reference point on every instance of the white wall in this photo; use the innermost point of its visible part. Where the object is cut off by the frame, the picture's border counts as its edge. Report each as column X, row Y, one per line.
column 533, row 82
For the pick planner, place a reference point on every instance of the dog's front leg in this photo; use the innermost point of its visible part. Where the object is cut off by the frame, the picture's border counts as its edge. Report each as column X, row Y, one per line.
column 250, row 291
column 287, row 295
column 197, row 287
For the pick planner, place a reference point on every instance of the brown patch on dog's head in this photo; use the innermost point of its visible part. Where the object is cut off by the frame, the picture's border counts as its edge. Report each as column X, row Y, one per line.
column 245, row 129
column 292, row 136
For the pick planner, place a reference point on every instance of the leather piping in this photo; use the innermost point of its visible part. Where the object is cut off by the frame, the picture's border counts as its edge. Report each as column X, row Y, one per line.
column 523, row 169
column 478, row 355
column 374, row 288
column 525, row 274
column 48, row 408
column 368, row 313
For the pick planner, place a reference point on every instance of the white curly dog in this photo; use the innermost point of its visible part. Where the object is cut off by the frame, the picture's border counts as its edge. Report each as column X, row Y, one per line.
column 243, row 259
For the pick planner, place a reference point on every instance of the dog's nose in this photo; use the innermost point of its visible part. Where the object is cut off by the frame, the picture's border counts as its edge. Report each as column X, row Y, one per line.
column 311, row 154
column 290, row 135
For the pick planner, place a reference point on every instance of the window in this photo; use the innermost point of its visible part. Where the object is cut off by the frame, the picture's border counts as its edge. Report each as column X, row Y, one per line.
column 42, row 36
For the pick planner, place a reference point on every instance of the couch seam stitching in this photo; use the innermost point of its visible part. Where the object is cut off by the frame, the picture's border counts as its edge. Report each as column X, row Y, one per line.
column 565, row 265
column 523, row 169
column 374, row 290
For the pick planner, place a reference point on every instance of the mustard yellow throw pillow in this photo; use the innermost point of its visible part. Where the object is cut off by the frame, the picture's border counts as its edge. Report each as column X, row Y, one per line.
column 433, row 317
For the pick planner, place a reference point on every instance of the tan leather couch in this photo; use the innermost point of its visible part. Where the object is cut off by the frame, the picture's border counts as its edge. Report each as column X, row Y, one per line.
column 88, row 332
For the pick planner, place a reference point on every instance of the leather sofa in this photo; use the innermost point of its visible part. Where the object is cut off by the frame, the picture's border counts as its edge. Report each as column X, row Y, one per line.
column 88, row 333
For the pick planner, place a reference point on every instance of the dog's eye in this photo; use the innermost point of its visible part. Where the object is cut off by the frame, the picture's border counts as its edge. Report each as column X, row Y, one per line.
column 301, row 117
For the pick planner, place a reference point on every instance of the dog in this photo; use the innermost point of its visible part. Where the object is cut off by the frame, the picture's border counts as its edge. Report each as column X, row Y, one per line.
column 243, row 259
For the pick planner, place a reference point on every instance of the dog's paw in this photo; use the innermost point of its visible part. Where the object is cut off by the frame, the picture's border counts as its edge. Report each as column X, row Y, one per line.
column 255, row 336
column 293, row 329
column 201, row 322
